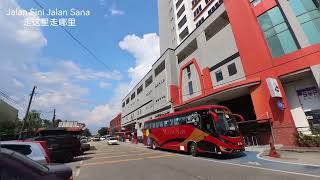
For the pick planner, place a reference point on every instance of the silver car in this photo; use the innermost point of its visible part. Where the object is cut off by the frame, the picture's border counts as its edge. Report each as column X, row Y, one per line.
column 32, row 150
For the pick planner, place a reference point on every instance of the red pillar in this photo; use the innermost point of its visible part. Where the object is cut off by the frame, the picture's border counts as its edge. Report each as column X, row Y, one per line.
column 257, row 62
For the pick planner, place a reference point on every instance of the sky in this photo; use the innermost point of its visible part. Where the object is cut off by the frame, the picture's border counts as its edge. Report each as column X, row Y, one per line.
column 122, row 34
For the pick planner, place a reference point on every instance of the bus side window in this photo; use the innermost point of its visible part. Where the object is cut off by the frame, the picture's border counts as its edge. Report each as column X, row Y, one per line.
column 182, row 120
column 153, row 125
column 161, row 124
column 171, row 122
column 176, row 121
column 167, row 123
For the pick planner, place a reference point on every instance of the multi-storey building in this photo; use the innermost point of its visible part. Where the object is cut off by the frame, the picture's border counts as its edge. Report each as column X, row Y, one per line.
column 260, row 58
column 115, row 124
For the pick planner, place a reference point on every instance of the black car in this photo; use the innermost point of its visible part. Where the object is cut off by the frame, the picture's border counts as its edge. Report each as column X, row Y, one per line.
column 62, row 146
column 15, row 166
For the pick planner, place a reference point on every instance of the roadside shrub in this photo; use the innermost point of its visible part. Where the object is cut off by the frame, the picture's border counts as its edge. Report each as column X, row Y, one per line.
column 308, row 140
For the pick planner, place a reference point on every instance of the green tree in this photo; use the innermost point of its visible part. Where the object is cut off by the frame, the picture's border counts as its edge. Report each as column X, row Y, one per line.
column 103, row 131
column 86, row 132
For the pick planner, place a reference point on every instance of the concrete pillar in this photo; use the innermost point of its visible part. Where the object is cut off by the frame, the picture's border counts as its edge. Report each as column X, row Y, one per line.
column 265, row 107
column 316, row 73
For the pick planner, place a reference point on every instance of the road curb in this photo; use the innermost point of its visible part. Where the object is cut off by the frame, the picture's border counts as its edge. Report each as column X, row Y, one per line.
column 259, row 155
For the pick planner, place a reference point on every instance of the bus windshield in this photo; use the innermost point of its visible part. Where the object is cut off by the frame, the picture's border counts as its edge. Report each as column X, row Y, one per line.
column 226, row 124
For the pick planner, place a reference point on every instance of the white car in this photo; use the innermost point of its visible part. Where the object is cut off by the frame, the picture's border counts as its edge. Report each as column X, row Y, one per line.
column 112, row 140
column 102, row 138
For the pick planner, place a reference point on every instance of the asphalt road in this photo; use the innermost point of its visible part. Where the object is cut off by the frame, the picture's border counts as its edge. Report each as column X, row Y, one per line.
column 129, row 162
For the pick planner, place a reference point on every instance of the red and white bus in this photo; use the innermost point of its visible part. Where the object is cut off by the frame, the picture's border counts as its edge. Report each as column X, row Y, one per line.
column 209, row 128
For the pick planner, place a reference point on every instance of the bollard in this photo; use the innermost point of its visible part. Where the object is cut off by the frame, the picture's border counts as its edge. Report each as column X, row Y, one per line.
column 273, row 152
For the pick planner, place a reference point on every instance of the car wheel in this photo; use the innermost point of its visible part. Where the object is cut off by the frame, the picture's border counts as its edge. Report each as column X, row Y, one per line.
column 193, row 149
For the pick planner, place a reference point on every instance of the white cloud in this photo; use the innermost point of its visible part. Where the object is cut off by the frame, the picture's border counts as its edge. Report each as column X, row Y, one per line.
column 146, row 51
column 104, row 85
column 17, row 83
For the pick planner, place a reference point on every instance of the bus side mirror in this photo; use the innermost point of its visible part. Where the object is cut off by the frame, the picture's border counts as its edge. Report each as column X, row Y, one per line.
column 239, row 118
column 215, row 117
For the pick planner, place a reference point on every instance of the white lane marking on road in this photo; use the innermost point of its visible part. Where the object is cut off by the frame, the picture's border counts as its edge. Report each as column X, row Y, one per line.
column 254, row 163
column 254, row 167
column 78, row 168
column 259, row 155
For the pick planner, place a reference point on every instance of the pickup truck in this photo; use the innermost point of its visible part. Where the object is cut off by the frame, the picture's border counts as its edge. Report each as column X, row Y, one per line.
column 62, row 146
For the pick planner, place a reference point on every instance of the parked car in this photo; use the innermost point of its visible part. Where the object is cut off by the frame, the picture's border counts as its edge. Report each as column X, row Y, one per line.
column 17, row 166
column 62, row 146
column 95, row 139
column 112, row 140
column 84, row 145
column 102, row 138
column 33, row 150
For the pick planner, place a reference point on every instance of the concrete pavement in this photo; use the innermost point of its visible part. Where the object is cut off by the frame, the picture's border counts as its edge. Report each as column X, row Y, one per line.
column 126, row 161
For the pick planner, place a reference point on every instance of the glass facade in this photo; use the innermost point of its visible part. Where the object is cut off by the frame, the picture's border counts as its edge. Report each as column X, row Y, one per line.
column 308, row 16
column 277, row 33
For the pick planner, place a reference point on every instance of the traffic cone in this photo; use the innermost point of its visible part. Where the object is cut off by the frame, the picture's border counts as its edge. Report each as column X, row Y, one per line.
column 273, row 152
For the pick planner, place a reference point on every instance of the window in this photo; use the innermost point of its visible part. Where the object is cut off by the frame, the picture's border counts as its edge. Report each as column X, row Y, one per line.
column 219, row 76
column 190, row 87
column 216, row 26
column 148, row 81
column 207, row 1
column 160, row 68
column 181, row 10
column 188, row 72
column 176, row 121
column 139, row 90
column 232, row 69
column 277, row 33
column 123, row 104
column 127, row 101
column 255, row 2
column 182, row 22
column 200, row 22
column 184, row 33
column 197, row 11
column 187, row 51
column 133, row 95
column 308, row 15
column 178, row 3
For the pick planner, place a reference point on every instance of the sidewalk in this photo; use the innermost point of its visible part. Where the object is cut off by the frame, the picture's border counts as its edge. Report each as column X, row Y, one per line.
column 307, row 158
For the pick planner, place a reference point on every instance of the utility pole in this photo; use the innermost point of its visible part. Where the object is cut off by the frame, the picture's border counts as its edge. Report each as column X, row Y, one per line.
column 27, row 112
column 54, row 117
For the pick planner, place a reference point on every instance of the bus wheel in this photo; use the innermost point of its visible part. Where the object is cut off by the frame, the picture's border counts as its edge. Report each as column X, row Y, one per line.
column 193, row 149
column 154, row 145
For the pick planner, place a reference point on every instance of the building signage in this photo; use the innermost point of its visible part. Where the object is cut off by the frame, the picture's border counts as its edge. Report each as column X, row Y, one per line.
column 273, row 87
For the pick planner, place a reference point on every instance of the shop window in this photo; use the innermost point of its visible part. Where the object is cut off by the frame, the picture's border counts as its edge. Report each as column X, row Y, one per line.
column 308, row 15
column 277, row 33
